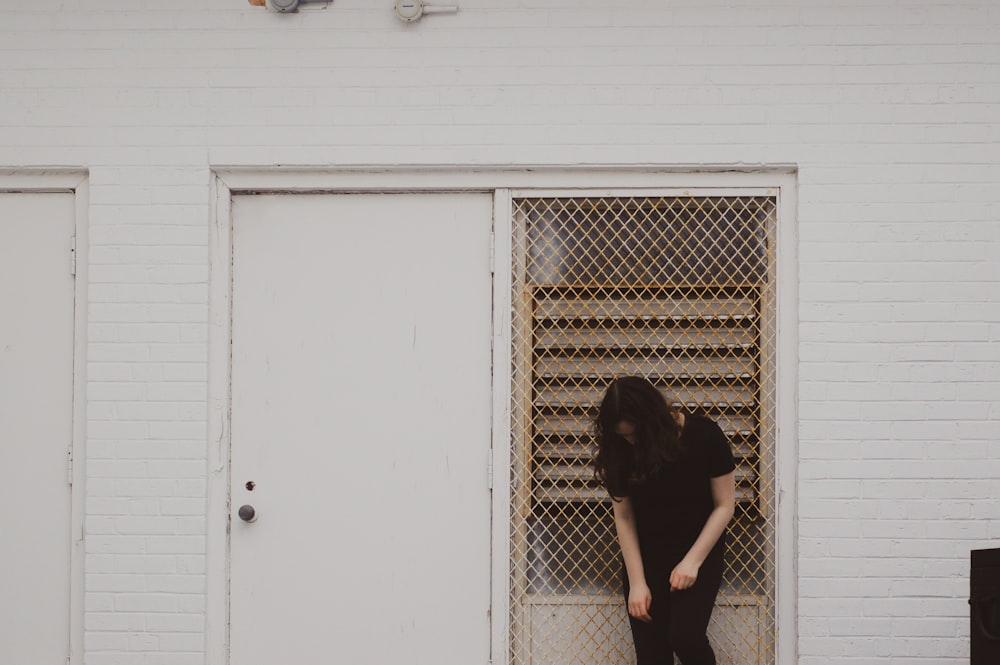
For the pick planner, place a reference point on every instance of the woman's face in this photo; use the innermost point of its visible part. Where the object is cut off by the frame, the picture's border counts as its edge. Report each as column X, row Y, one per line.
column 626, row 430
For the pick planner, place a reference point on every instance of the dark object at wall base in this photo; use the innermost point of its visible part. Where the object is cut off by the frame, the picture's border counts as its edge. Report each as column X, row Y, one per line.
column 984, row 607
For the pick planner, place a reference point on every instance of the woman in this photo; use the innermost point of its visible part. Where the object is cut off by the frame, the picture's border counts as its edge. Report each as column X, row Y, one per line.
column 670, row 477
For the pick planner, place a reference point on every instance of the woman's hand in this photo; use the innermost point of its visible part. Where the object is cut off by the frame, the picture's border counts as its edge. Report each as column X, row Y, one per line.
column 683, row 576
column 639, row 601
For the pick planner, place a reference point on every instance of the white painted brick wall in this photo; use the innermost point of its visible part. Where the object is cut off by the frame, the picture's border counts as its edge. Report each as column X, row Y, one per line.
column 890, row 110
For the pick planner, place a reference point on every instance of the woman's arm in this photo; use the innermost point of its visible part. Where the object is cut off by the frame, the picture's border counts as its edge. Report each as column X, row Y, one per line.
column 639, row 596
column 724, row 498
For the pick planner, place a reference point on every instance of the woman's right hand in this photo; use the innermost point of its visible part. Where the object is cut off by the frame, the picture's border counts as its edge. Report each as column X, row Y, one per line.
column 639, row 601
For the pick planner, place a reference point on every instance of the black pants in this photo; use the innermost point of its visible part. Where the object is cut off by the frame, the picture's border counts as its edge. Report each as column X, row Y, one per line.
column 680, row 618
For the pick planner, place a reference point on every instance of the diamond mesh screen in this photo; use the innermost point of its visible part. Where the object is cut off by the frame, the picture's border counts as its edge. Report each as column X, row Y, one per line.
column 679, row 290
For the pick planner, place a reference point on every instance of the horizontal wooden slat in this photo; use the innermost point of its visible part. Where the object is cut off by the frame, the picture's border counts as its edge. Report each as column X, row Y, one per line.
column 548, row 396
column 730, row 309
column 646, row 365
column 579, row 473
column 554, row 494
column 561, row 424
column 583, row 449
column 714, row 339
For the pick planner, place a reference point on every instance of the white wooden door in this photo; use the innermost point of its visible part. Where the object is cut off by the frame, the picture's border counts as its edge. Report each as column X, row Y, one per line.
column 36, row 426
column 361, row 399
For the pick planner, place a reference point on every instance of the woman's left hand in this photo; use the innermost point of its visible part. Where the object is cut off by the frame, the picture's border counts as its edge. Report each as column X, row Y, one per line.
column 683, row 576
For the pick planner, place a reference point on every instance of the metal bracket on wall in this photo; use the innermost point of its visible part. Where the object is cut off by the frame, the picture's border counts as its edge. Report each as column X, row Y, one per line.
column 287, row 6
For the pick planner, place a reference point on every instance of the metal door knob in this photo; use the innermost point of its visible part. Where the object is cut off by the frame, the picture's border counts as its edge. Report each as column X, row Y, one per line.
column 247, row 513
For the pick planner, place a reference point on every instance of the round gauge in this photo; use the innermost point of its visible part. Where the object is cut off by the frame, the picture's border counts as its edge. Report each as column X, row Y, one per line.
column 409, row 10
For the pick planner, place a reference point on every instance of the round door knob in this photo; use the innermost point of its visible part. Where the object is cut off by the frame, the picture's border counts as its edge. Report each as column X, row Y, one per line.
column 247, row 513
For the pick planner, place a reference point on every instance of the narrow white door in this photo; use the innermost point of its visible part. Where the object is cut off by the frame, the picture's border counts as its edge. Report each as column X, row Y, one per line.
column 361, row 398
column 36, row 426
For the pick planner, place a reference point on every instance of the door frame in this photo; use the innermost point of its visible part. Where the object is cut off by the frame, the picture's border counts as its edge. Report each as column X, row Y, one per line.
column 75, row 182
column 501, row 182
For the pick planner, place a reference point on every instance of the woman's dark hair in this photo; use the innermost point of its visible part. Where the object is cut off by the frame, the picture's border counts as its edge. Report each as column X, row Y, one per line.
column 618, row 463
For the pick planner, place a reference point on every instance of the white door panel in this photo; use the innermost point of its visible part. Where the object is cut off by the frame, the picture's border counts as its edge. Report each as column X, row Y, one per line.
column 361, row 396
column 36, row 426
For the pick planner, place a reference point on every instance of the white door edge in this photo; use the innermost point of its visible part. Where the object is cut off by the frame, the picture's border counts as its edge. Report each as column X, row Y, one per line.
column 500, row 482
column 219, row 394
column 78, row 492
column 75, row 182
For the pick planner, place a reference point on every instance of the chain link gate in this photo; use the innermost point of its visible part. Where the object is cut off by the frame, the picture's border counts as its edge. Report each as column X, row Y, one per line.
column 680, row 290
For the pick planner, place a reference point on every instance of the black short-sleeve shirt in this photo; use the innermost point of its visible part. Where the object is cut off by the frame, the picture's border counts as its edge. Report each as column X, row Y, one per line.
column 671, row 507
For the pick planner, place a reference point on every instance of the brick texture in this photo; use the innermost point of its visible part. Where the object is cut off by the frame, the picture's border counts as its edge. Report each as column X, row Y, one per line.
column 890, row 110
